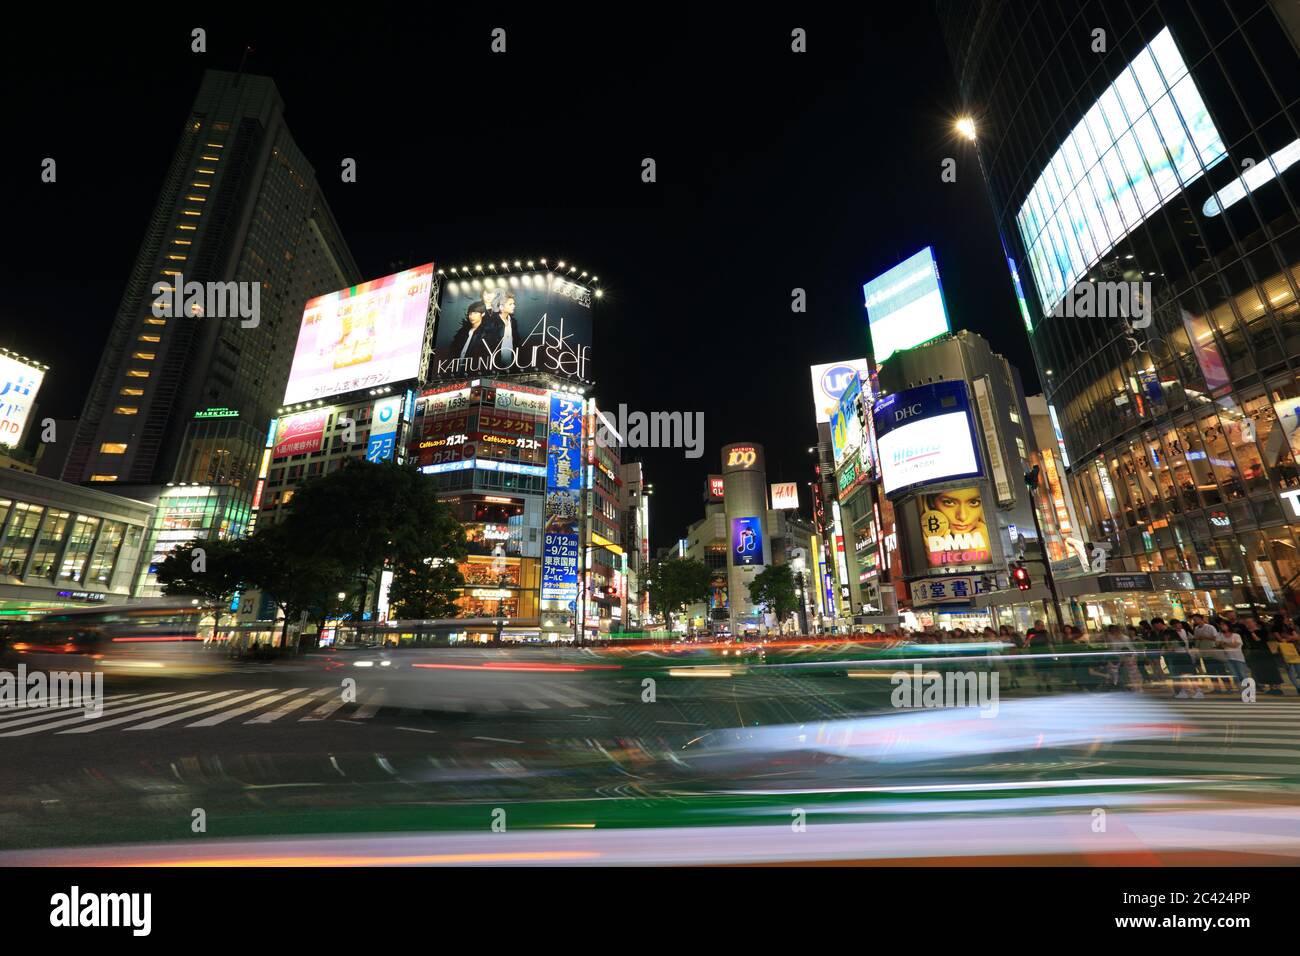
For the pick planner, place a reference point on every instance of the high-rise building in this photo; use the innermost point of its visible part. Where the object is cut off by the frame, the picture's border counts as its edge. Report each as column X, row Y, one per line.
column 199, row 352
column 634, row 505
column 1142, row 163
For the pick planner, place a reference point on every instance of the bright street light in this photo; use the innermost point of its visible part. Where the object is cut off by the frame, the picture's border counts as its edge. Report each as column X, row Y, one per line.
column 966, row 127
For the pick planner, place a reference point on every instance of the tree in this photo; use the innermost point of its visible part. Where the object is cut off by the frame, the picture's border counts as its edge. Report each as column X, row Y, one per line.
column 674, row 583
column 298, row 577
column 425, row 590
column 773, row 590
column 366, row 516
column 210, row 570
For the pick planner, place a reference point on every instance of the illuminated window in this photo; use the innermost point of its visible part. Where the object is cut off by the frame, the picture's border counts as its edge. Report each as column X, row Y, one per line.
column 176, row 257
column 155, row 321
column 1120, row 163
column 202, row 185
column 186, row 227
column 132, row 392
column 150, row 338
column 197, row 198
column 136, row 373
column 191, row 212
column 147, row 356
column 182, row 242
column 206, row 172
column 103, row 477
column 113, row 448
column 216, row 146
column 171, row 272
column 126, row 410
column 212, row 159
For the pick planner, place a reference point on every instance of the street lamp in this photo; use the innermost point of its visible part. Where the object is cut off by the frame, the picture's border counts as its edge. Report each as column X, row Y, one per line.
column 965, row 127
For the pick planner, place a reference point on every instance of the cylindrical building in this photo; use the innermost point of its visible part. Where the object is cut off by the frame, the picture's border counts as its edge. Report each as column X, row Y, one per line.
column 744, row 477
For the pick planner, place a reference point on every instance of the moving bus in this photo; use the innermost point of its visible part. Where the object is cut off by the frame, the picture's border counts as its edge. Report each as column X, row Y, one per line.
column 146, row 639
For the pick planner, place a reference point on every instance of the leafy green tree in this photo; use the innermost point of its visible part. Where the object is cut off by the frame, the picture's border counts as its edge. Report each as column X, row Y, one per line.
column 425, row 590
column 773, row 589
column 210, row 570
column 299, row 578
column 366, row 516
column 674, row 583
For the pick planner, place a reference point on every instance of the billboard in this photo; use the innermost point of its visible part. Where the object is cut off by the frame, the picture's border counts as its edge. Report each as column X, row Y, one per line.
column 829, row 382
column 300, row 434
column 714, row 489
column 368, row 335
column 846, row 423
column 785, row 495
column 563, row 500
column 746, row 542
column 954, row 529
column 19, row 383
column 1110, row 174
column 924, row 435
column 500, row 325
column 905, row 305
column 383, row 428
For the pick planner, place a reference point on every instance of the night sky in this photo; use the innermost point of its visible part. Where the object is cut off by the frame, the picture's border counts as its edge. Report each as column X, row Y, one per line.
column 775, row 171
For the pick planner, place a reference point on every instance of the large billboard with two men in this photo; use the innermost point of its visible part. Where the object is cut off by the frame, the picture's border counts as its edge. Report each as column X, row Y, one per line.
column 498, row 325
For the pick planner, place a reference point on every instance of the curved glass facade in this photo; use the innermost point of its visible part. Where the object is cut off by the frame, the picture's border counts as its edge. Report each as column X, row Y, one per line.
column 1151, row 151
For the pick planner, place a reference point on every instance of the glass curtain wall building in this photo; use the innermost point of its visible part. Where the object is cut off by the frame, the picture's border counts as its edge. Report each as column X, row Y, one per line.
column 1142, row 161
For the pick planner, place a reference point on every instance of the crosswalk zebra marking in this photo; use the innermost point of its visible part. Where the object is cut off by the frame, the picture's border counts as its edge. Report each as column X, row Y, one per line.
column 289, row 707
column 372, row 704
column 222, row 717
column 99, row 723
column 207, row 709
column 108, row 713
column 324, row 710
column 66, row 711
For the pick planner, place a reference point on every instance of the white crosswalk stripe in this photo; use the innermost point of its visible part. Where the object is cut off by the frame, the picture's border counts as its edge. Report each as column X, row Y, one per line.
column 226, row 715
column 371, row 706
column 207, row 709
column 289, row 707
column 324, row 710
column 39, row 715
column 107, row 713
column 100, row 723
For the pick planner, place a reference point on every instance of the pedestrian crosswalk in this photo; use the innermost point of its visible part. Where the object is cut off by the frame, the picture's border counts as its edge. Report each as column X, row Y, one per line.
column 213, row 708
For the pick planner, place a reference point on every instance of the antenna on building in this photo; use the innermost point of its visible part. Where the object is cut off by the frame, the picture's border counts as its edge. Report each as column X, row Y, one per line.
column 244, row 59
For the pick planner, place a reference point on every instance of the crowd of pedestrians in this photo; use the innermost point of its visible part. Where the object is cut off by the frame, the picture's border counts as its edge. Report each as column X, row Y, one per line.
column 1205, row 654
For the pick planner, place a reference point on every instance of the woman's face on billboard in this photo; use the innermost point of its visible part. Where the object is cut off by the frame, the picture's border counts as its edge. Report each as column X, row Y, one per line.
column 962, row 508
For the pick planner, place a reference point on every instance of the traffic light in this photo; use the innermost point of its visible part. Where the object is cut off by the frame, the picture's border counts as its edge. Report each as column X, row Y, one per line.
column 1021, row 577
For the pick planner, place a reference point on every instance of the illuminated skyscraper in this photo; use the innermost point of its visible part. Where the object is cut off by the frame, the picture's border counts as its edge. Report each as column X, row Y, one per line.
column 186, row 395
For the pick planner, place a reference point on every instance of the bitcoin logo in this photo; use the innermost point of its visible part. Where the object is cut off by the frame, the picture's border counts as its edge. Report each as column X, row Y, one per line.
column 934, row 523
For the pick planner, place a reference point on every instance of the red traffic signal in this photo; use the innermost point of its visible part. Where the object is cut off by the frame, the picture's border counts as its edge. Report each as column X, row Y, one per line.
column 1021, row 577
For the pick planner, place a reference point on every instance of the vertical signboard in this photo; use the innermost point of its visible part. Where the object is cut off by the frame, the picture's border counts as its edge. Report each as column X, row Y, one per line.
column 983, row 399
column 383, row 429
column 563, row 497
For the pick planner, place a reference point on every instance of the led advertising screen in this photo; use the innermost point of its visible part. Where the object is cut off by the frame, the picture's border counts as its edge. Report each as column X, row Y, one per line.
column 300, row 434
column 924, row 435
column 563, row 494
column 368, row 335
column 498, row 325
column 19, row 383
column 905, row 306
column 1148, row 137
column 746, row 542
column 846, row 424
column 829, row 382
column 954, row 529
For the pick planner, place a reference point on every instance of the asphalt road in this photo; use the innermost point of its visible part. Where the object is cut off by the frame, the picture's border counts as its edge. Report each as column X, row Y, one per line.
column 544, row 745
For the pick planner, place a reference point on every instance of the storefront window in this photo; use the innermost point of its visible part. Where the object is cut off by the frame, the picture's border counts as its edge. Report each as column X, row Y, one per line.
column 74, row 559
